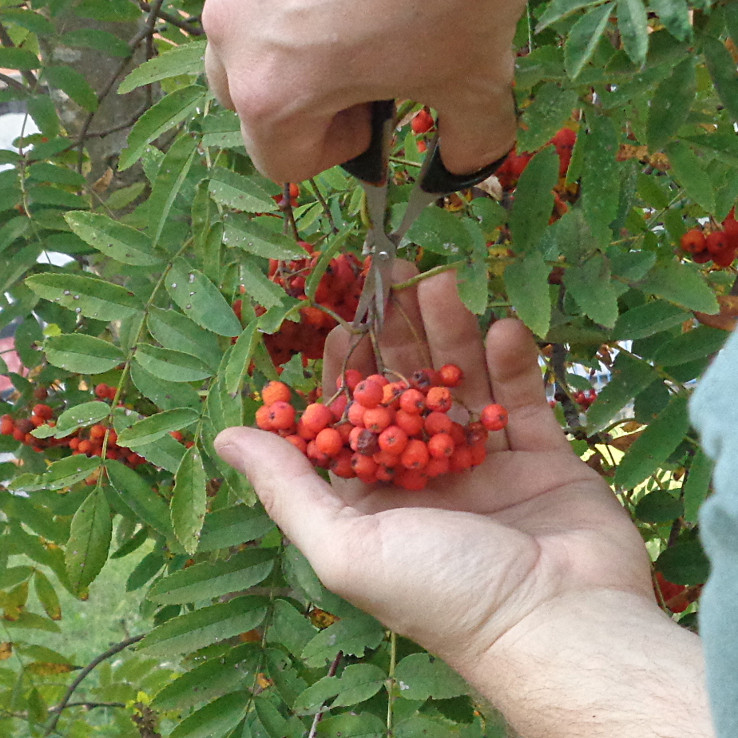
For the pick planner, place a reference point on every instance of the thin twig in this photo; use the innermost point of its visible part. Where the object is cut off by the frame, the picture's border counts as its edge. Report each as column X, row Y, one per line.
column 117, row 648
column 181, row 23
column 88, row 705
column 324, row 204
column 13, row 83
column 319, row 715
column 7, row 42
column 289, row 216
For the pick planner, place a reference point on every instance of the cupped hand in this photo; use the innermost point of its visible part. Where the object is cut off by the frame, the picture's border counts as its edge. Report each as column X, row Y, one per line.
column 300, row 73
column 467, row 560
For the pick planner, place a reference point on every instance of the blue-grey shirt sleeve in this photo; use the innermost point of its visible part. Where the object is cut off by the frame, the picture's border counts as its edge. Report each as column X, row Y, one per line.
column 714, row 413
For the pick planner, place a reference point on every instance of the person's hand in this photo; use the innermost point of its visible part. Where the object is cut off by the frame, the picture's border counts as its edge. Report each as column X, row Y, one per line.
column 300, row 73
column 461, row 563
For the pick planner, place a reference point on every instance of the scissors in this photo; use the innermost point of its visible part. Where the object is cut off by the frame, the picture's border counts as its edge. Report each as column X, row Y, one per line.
column 371, row 168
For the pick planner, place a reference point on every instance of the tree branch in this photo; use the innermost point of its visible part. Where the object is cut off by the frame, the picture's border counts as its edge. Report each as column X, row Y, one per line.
column 185, row 25
column 117, row 648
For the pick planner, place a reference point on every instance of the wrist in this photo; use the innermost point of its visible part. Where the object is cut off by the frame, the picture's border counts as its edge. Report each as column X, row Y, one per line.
column 596, row 664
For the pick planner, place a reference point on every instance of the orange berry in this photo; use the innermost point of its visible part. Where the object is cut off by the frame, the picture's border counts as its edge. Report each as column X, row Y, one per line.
column 380, row 379
column 386, row 458
column 43, row 411
column 441, row 445
column 275, row 391
column 422, row 122
column 385, row 473
column 18, row 434
column 391, row 393
column 84, row 447
column 329, row 441
column 317, row 416
column 422, row 379
column 460, row 459
column 345, row 430
column 37, row 420
column 364, row 467
column 368, row 393
column 281, row 415
column 437, row 466
column 439, row 399
column 494, row 417
column 436, row 422
column 458, row 433
column 263, row 418
column 717, row 242
column 101, row 391
column 355, row 414
column 393, row 440
column 376, row 419
column 338, row 406
column 74, row 442
column 478, row 453
column 297, row 442
column 317, row 456
column 411, row 423
column 341, row 466
column 412, row 401
column 7, row 425
column 450, row 375
column 476, row 433
column 415, row 455
column 411, row 479
column 693, row 241
column 98, row 431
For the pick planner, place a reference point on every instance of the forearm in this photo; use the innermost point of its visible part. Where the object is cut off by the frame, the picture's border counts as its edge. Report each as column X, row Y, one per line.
column 598, row 665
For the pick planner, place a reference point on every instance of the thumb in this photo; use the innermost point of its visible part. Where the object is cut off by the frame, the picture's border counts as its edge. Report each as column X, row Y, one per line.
column 294, row 496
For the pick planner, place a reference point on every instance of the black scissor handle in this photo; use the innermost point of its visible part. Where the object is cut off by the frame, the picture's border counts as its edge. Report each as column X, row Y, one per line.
column 435, row 179
column 371, row 165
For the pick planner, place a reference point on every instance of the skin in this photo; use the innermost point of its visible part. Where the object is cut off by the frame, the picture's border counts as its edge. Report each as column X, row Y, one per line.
column 300, row 73
column 526, row 575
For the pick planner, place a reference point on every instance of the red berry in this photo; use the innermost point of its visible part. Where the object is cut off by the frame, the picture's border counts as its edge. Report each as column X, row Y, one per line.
column 412, row 401
column 441, row 445
column 297, row 442
column 716, row 242
column 411, row 479
column 411, row 423
column 263, row 418
column 317, row 416
column 693, row 241
column 341, row 466
column 281, row 415
column 415, row 455
column 436, row 422
column 494, row 417
column 351, row 377
column 364, row 467
column 356, row 413
column 393, row 440
column 422, row 122
column 43, row 411
column 368, row 393
column 439, row 399
column 329, row 441
column 7, row 425
column 101, row 391
column 376, row 419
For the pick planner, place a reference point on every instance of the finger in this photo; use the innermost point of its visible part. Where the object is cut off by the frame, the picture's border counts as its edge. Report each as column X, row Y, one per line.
column 512, row 358
column 303, row 505
column 292, row 146
column 217, row 77
column 474, row 133
column 454, row 337
column 342, row 351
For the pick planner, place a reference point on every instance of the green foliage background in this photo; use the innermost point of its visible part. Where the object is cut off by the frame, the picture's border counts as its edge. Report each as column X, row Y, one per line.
column 161, row 233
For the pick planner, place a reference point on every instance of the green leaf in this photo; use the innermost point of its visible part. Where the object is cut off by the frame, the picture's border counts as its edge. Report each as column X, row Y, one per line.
column 680, row 284
column 232, row 526
column 697, row 485
column 629, row 377
column 255, row 238
column 137, row 495
column 548, row 111
column 559, row 9
column 82, row 354
column 89, row 296
column 189, row 498
column 111, row 238
column 209, row 679
column 670, row 104
column 591, row 287
column 166, row 395
column 11, row 57
column 471, row 275
column 259, row 287
column 534, row 199
column 184, row 59
column 240, row 358
column 526, row 281
column 357, row 683
column 89, row 540
column 168, row 112
column 290, row 628
column 216, row 718
column 439, row 231
column 689, row 172
column 350, row 635
column 173, row 366
column 72, row 83
column 646, row 320
column 240, row 192
column 173, row 171
column 583, row 38
column 176, row 331
column 194, row 630
column 684, row 563
column 675, row 16
column 80, row 415
column 634, row 30
column 200, row 299
column 723, row 72
column 658, row 507
column 98, row 39
column 156, row 426
column 421, row 676
column 214, row 579
column 47, row 596
column 651, row 449
column 699, row 343
column 166, row 453
column 28, row 19
column 600, row 177
column 349, row 725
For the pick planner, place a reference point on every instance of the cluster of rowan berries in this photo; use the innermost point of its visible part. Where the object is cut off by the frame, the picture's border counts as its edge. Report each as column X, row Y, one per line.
column 719, row 245
column 383, row 431
column 339, row 290
column 582, row 398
